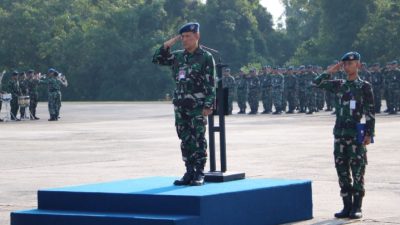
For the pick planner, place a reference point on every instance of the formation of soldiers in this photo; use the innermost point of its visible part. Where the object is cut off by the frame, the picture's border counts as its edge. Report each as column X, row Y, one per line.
column 23, row 90
column 290, row 90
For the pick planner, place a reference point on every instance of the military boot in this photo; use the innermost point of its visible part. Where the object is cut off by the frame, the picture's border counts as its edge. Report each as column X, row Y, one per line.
column 187, row 177
column 356, row 212
column 198, row 178
column 347, row 202
column 53, row 118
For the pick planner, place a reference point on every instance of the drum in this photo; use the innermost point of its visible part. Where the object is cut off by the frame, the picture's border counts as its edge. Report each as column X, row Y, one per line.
column 6, row 97
column 23, row 101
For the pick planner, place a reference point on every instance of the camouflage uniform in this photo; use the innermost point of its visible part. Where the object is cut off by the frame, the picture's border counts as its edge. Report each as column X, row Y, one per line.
column 349, row 154
column 229, row 82
column 310, row 92
column 15, row 91
column 291, row 87
column 266, row 92
column 377, row 86
column 254, row 93
column 302, row 92
column 23, row 85
column 34, row 96
column 194, row 78
column 393, row 86
column 278, row 84
column 242, row 92
column 54, row 96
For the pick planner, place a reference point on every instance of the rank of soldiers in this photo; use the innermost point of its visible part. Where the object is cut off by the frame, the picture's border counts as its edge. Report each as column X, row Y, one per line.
column 291, row 89
column 20, row 94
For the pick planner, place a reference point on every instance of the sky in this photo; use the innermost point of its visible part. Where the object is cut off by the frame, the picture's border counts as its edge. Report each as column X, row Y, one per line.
column 275, row 7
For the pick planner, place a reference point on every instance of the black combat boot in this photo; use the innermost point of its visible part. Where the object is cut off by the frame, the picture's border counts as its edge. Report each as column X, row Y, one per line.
column 347, row 202
column 53, row 118
column 356, row 212
column 198, row 178
column 187, row 177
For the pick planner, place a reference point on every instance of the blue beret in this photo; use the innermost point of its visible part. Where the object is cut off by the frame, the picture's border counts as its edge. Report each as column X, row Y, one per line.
column 15, row 73
column 302, row 67
column 51, row 70
column 190, row 27
column 227, row 70
column 350, row 56
column 30, row 71
column 394, row 62
column 376, row 64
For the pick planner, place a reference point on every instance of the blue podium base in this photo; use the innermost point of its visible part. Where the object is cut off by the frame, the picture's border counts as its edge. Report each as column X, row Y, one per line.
column 155, row 201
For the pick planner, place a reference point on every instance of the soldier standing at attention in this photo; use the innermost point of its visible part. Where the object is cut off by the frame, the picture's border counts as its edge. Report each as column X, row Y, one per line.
column 33, row 84
column 23, row 86
column 254, row 91
column 377, row 86
column 229, row 82
column 311, row 94
column 15, row 91
column 302, row 89
column 266, row 95
column 193, row 70
column 278, row 84
column 393, row 87
column 242, row 91
column 354, row 99
column 291, row 85
column 54, row 83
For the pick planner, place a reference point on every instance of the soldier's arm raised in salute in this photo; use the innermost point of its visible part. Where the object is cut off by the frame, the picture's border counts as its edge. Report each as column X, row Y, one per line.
column 325, row 81
column 163, row 55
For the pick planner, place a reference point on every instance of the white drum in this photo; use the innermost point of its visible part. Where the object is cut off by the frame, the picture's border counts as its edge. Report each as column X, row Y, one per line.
column 6, row 97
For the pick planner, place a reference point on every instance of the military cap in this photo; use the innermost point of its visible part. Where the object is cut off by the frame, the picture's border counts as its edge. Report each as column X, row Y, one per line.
column 267, row 67
column 190, row 27
column 291, row 68
column 309, row 66
column 394, row 62
column 15, row 73
column 30, row 71
column 52, row 70
column 227, row 69
column 350, row 56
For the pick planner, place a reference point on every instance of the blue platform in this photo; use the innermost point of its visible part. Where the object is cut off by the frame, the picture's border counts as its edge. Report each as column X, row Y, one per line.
column 155, row 201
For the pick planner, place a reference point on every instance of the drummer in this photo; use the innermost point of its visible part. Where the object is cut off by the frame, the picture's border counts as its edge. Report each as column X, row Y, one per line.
column 14, row 90
column 23, row 86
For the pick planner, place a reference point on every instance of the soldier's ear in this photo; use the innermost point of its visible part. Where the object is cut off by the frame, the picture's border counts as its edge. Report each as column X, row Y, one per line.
column 197, row 35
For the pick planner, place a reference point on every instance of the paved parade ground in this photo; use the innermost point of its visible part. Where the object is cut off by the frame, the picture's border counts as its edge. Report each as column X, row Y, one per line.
column 97, row 142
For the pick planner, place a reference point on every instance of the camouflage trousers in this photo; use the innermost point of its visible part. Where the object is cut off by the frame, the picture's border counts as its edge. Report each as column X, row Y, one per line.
column 266, row 98
column 54, row 103
column 191, row 128
column 291, row 97
column 231, row 96
column 14, row 107
column 253, row 100
column 377, row 98
column 311, row 100
column 329, row 99
column 350, row 163
column 33, row 103
column 392, row 99
column 241, row 99
column 277, row 95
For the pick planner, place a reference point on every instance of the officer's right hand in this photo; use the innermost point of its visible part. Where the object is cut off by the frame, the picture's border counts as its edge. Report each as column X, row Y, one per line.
column 335, row 68
column 171, row 41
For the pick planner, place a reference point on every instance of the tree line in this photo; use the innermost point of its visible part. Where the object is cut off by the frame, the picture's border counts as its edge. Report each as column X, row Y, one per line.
column 105, row 47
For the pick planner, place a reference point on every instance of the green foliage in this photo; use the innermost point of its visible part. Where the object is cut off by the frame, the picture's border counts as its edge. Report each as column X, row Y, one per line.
column 105, row 47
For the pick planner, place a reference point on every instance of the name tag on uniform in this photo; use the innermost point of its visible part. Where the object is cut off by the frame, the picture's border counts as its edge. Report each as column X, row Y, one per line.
column 182, row 74
column 352, row 104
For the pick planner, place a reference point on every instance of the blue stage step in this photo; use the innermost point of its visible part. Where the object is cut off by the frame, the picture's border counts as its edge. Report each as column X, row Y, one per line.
column 156, row 201
column 38, row 217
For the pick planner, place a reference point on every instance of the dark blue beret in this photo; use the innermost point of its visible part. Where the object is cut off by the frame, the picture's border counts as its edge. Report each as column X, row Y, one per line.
column 227, row 70
column 394, row 62
column 15, row 73
column 190, row 27
column 302, row 67
column 51, row 70
column 376, row 64
column 350, row 56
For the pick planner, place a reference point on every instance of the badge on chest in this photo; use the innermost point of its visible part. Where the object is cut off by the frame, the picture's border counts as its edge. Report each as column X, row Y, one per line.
column 181, row 74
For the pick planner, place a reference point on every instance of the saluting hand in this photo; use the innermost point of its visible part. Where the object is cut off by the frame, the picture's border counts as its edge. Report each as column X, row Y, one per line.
column 334, row 68
column 171, row 41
